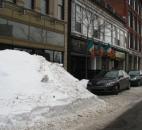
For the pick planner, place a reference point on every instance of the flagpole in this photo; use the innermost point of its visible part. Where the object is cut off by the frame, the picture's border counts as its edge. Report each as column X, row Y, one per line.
column 86, row 60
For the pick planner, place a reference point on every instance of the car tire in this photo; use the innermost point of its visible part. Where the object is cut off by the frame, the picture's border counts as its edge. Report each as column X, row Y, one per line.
column 129, row 86
column 116, row 90
column 139, row 83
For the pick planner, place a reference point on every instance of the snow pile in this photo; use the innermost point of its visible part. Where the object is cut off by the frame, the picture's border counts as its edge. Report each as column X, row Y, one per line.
column 28, row 82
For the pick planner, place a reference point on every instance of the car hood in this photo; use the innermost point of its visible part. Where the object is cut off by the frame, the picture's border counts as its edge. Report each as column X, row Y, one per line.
column 103, row 81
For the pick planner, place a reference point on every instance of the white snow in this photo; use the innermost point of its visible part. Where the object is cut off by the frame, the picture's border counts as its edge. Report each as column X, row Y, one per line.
column 28, row 82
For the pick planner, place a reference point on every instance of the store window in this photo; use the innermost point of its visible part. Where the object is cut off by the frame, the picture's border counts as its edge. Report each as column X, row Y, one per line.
column 61, row 9
column 55, row 38
column 36, row 34
column 5, row 29
column 58, row 57
column 49, row 55
column 3, row 21
column 19, row 30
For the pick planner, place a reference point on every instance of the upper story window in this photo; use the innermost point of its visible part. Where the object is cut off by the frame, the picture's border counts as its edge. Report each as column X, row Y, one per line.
column 129, row 19
column 78, row 18
column 43, row 6
column 29, row 4
column 134, row 5
column 13, row 1
column 61, row 9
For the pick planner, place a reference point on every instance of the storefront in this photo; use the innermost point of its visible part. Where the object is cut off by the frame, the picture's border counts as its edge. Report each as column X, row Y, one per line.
column 101, row 57
column 111, row 59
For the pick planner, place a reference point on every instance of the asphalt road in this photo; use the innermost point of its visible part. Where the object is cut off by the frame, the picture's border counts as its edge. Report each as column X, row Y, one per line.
column 130, row 120
column 124, row 113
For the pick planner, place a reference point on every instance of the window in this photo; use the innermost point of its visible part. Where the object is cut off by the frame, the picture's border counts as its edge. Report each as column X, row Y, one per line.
column 134, row 22
column 43, row 6
column 108, row 32
column 12, row 1
column 136, row 44
column 129, row 19
column 134, row 41
column 131, row 40
column 140, row 45
column 49, row 55
column 55, row 38
column 78, row 18
column 122, row 38
column 61, row 9
column 36, row 34
column 29, row 4
column 118, row 37
column 19, row 30
column 102, row 28
column 96, row 27
column 134, row 5
column 5, row 30
column 58, row 57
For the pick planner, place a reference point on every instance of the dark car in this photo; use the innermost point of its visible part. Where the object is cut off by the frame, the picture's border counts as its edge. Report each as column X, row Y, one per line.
column 112, row 81
column 96, row 73
column 135, row 77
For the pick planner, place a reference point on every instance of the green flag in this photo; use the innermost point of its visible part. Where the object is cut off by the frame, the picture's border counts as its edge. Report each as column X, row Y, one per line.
column 90, row 45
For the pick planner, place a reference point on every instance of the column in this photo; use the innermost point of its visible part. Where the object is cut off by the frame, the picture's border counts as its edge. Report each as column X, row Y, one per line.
column 37, row 5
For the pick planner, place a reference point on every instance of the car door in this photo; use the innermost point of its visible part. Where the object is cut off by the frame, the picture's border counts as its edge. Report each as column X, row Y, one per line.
column 126, row 79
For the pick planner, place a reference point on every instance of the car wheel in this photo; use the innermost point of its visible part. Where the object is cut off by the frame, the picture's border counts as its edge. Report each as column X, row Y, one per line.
column 116, row 89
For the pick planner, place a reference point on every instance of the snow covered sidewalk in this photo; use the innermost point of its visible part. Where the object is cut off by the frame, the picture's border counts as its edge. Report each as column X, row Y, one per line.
column 33, row 90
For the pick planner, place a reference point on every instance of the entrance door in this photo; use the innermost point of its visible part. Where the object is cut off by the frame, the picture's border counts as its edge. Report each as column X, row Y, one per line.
column 78, row 66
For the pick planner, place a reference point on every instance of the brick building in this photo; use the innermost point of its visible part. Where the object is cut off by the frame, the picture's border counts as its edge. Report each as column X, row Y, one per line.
column 131, row 11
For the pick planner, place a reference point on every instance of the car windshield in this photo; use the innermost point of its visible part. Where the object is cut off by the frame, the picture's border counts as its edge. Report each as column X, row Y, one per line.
column 135, row 73
column 111, row 74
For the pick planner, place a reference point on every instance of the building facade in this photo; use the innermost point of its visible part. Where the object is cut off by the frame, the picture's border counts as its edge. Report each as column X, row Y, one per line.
column 91, row 21
column 131, row 11
column 36, row 26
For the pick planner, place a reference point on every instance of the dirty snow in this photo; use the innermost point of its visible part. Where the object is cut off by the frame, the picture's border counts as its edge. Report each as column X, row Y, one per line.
column 30, row 85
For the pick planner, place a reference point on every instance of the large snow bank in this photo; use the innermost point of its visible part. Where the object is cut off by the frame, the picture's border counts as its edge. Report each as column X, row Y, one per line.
column 28, row 82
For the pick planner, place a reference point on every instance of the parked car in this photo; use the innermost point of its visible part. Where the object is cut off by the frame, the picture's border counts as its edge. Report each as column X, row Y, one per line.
column 135, row 77
column 112, row 81
column 96, row 73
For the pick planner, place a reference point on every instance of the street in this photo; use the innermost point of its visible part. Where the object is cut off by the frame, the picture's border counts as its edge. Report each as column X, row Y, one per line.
column 124, row 113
